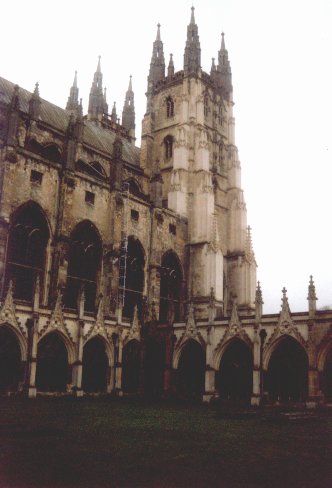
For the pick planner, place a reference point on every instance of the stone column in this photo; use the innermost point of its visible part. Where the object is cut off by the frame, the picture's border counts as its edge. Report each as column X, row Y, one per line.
column 118, row 368
column 210, row 373
column 32, row 326
column 78, row 364
column 3, row 250
column 256, row 393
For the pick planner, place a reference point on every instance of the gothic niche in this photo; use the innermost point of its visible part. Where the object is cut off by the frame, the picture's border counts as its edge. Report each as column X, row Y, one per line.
column 10, row 361
column 170, row 288
column 132, row 268
column 95, row 366
column 84, row 261
column 27, row 244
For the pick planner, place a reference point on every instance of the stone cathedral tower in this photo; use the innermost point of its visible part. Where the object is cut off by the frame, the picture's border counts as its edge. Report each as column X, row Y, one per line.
column 188, row 131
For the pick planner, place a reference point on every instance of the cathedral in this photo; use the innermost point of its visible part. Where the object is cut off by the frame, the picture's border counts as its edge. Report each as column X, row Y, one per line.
column 130, row 270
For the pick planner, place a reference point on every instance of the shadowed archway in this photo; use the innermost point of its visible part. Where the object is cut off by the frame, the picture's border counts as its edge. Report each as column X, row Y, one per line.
column 191, row 371
column 95, row 366
column 10, row 361
column 234, row 378
column 52, row 364
column 287, row 374
column 326, row 377
column 131, row 367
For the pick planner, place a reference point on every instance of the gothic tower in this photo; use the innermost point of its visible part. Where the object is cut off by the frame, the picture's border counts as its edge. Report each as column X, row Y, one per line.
column 189, row 129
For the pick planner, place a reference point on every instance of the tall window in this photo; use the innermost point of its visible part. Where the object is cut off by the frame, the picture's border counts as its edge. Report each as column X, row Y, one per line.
column 28, row 238
column 83, row 265
column 169, row 107
column 132, row 286
column 168, row 141
column 170, row 288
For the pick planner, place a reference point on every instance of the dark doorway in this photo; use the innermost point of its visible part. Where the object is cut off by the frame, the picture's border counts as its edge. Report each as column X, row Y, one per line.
column 287, row 375
column 52, row 364
column 95, row 366
column 234, row 378
column 326, row 377
column 131, row 367
column 10, row 361
column 154, row 367
column 191, row 371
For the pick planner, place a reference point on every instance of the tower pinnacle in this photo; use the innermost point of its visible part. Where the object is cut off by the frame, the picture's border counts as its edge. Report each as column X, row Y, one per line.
column 72, row 103
column 157, row 65
column 128, row 112
column 97, row 102
column 192, row 52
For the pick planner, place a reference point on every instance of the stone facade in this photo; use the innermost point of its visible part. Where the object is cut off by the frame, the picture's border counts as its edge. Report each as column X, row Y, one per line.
column 131, row 270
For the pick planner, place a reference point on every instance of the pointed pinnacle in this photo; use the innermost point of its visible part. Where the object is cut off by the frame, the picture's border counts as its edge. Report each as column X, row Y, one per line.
column 98, row 65
column 75, row 80
column 105, row 94
column 36, row 90
column 158, row 33
column 130, row 87
column 192, row 19
column 223, row 41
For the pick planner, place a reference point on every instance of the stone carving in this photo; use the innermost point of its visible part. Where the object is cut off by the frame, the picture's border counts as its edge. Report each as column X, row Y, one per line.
column 8, row 312
column 57, row 321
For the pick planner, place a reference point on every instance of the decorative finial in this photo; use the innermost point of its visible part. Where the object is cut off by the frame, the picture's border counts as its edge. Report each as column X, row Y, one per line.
column 158, row 32
column 192, row 20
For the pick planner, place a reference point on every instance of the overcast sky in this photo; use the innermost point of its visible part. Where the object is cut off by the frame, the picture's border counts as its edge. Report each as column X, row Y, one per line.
column 281, row 57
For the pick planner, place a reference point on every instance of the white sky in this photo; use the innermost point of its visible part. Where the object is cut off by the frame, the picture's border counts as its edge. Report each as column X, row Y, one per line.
column 281, row 56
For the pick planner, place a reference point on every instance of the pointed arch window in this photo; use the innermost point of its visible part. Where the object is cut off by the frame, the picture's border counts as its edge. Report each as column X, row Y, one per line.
column 94, row 169
column 168, row 142
column 169, row 107
column 52, row 153
column 131, row 275
column 84, row 261
column 27, row 245
column 170, row 288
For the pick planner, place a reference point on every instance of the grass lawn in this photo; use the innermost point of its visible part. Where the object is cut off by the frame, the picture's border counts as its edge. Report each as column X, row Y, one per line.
column 65, row 442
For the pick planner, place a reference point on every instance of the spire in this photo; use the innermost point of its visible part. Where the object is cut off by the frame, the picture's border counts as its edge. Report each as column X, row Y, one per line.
column 312, row 298
column 170, row 69
column 249, row 249
column 128, row 112
column 72, row 103
column 114, row 116
column 97, row 103
column 157, row 65
column 213, row 66
column 34, row 103
column 192, row 52
column 224, row 69
column 258, row 302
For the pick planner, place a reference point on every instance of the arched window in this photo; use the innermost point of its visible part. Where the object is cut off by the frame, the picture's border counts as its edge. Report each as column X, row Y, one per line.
column 133, row 188
column 94, row 169
column 170, row 288
column 132, row 266
column 53, row 373
column 28, row 238
column 84, row 261
column 52, row 153
column 168, row 141
column 34, row 146
column 169, row 107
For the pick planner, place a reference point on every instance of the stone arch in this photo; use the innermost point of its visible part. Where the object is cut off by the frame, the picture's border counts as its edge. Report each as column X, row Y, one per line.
column 97, row 360
column 27, row 249
column 22, row 341
column 84, row 265
column 52, row 152
column 171, row 278
column 55, row 356
column 93, row 168
column 190, row 374
column 131, row 367
column 324, row 364
column 234, row 372
column 133, row 285
column 286, row 365
column 12, row 358
column 134, row 187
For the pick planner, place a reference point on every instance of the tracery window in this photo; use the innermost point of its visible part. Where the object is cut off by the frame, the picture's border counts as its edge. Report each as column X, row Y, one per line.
column 84, row 261
column 168, row 141
column 27, row 244
column 131, row 276
column 170, row 287
column 169, row 107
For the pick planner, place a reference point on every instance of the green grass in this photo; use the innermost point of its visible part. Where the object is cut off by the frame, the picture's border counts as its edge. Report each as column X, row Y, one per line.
column 64, row 442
